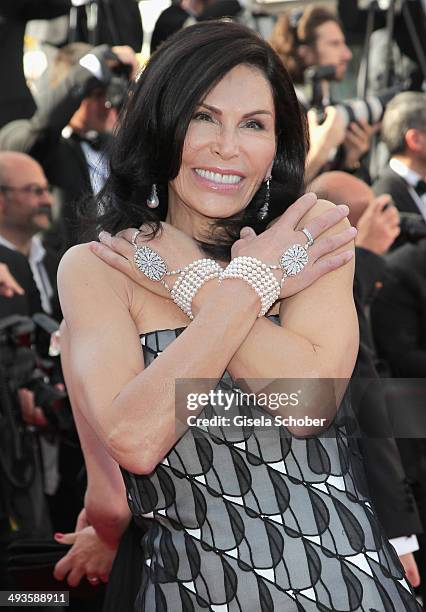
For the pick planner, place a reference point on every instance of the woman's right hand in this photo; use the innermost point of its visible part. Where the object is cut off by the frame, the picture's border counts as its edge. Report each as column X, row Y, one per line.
column 282, row 234
column 175, row 247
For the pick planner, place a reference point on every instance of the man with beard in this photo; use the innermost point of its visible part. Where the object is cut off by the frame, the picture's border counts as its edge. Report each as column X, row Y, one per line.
column 25, row 211
column 314, row 37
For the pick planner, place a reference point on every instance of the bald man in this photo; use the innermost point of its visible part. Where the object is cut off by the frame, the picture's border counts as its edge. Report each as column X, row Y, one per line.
column 377, row 230
column 25, row 211
column 375, row 218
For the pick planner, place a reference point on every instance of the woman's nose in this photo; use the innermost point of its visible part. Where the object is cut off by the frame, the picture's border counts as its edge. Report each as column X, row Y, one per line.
column 226, row 143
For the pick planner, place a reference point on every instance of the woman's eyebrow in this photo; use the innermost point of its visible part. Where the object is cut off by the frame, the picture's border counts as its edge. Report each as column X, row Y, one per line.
column 217, row 111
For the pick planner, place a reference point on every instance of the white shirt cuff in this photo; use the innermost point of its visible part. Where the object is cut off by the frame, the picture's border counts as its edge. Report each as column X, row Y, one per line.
column 405, row 544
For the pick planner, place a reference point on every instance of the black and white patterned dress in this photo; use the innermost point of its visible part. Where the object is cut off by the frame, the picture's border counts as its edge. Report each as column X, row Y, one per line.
column 259, row 521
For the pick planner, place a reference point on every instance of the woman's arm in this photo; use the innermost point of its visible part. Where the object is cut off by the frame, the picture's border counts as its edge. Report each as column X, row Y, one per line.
column 132, row 410
column 313, row 353
column 318, row 337
column 105, row 500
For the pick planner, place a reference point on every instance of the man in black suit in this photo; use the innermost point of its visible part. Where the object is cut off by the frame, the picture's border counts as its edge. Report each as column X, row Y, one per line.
column 25, row 210
column 387, row 480
column 16, row 101
column 399, row 326
column 404, row 133
column 72, row 159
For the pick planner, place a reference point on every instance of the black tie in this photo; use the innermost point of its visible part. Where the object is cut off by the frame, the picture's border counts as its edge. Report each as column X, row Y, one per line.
column 420, row 187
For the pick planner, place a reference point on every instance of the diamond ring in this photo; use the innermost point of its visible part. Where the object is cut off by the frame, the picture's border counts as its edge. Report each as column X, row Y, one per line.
column 149, row 262
column 135, row 235
column 293, row 260
column 308, row 236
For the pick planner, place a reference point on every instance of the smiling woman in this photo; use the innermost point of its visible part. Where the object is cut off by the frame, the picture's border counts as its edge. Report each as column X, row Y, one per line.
column 180, row 97
column 226, row 126
column 213, row 276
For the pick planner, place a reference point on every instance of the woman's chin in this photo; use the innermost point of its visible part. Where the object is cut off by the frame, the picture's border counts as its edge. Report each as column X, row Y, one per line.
column 218, row 207
column 219, row 212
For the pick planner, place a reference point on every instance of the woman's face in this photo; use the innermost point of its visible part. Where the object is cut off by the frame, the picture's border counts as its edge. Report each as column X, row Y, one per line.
column 229, row 147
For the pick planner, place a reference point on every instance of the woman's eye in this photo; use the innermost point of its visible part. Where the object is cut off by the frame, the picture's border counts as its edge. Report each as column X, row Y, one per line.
column 202, row 117
column 253, row 123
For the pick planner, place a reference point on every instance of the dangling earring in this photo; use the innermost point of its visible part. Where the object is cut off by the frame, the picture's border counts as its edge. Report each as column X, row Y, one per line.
column 263, row 212
column 153, row 201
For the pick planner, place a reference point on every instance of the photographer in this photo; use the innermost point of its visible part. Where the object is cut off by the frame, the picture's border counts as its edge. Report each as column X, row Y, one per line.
column 399, row 326
column 389, row 488
column 315, row 37
column 404, row 133
column 25, row 211
column 73, row 160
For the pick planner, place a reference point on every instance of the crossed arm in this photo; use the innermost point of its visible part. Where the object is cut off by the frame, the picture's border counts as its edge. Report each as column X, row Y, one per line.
column 127, row 415
column 132, row 410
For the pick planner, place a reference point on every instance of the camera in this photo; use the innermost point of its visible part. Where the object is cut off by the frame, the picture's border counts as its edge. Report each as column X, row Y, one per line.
column 118, row 86
column 413, row 226
column 29, row 358
column 371, row 109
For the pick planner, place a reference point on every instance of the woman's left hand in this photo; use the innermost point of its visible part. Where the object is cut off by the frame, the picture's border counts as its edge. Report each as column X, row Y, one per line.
column 89, row 556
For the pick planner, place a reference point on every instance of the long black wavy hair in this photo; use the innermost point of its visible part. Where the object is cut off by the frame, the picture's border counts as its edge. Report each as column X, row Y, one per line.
column 148, row 143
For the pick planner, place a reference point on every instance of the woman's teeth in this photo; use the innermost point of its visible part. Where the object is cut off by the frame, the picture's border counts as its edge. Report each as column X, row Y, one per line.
column 215, row 177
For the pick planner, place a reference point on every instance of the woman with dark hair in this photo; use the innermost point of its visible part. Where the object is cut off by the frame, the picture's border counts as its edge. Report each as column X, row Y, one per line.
column 160, row 323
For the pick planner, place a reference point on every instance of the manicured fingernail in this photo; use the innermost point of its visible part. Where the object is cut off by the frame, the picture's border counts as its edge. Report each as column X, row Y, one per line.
column 58, row 536
column 105, row 238
column 353, row 230
column 311, row 195
column 95, row 246
column 343, row 208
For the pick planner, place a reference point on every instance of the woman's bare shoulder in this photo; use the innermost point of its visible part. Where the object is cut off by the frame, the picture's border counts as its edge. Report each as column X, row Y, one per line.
column 83, row 276
column 80, row 268
column 80, row 263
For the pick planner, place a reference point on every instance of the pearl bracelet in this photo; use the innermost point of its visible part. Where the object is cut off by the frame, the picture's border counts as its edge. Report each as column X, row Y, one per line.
column 191, row 278
column 259, row 276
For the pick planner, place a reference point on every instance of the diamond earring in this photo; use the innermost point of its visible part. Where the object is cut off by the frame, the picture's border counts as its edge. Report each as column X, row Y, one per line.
column 263, row 212
column 153, row 201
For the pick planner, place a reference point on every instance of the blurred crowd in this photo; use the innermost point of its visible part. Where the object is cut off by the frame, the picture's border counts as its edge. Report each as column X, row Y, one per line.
column 368, row 152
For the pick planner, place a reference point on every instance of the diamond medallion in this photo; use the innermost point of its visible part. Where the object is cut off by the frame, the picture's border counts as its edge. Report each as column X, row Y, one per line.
column 150, row 263
column 294, row 259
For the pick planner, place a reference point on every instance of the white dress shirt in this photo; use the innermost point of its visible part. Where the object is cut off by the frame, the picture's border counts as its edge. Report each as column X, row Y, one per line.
column 41, row 278
column 411, row 178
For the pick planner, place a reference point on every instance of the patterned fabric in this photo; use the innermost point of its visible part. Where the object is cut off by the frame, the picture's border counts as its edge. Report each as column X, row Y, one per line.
column 253, row 520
